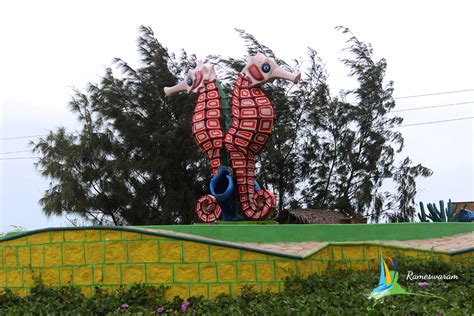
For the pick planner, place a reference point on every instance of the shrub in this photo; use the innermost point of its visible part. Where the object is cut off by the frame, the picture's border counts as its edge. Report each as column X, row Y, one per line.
column 338, row 292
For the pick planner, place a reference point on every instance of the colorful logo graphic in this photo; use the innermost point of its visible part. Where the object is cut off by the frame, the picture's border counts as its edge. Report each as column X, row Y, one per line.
column 388, row 284
column 388, row 281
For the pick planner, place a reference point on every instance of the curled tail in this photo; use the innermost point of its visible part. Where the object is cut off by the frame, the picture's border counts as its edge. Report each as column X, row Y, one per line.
column 255, row 203
column 252, row 123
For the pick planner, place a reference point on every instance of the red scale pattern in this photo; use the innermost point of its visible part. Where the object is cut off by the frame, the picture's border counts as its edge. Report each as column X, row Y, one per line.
column 206, row 129
column 206, row 124
column 252, row 124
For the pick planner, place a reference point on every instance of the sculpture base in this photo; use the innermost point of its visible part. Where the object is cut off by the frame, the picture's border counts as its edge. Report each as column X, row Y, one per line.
column 207, row 260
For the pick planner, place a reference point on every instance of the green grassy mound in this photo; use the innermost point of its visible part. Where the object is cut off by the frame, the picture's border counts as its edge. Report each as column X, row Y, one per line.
column 268, row 233
column 321, row 232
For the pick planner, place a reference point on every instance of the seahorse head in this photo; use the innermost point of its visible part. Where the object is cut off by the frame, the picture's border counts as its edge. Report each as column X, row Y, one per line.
column 261, row 69
column 195, row 79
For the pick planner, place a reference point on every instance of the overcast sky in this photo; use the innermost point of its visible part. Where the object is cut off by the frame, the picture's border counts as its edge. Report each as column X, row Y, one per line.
column 48, row 48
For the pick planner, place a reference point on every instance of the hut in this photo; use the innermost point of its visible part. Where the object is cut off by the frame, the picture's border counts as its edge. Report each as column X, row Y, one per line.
column 457, row 206
column 311, row 216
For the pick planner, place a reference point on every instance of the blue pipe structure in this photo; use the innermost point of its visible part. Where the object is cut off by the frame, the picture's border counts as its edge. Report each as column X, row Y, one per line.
column 222, row 188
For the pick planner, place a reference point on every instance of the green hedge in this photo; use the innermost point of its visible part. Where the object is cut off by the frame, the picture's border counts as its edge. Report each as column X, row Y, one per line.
column 339, row 292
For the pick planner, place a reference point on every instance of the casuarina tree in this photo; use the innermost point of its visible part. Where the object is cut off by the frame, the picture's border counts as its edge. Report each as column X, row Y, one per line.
column 134, row 161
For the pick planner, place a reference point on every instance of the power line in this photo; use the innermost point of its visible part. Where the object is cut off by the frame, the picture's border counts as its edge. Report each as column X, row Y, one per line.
column 20, row 137
column 15, row 152
column 17, row 158
column 436, row 122
column 403, row 110
column 406, row 125
column 409, row 109
column 435, row 93
column 33, row 136
column 432, row 106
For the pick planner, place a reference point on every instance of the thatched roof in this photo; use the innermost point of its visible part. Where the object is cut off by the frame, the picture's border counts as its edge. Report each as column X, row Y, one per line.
column 466, row 205
column 310, row 216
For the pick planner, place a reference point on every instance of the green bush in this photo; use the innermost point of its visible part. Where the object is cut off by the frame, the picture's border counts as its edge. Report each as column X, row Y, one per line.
column 336, row 293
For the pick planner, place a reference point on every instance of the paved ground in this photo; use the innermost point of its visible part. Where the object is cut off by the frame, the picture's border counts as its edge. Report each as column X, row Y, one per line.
column 450, row 243
column 292, row 248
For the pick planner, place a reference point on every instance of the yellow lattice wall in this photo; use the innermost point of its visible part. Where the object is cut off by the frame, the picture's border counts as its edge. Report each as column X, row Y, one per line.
column 112, row 258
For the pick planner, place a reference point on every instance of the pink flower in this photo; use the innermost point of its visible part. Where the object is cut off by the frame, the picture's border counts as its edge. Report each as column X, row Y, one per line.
column 124, row 306
column 185, row 306
column 160, row 310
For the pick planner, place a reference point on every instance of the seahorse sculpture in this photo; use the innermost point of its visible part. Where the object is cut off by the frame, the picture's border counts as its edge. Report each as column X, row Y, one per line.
column 206, row 127
column 252, row 125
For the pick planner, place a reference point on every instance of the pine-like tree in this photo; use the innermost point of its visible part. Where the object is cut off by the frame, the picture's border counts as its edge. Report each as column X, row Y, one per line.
column 135, row 162
column 351, row 146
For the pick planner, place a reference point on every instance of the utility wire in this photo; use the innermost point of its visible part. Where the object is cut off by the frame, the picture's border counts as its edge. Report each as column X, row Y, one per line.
column 406, row 125
column 435, row 93
column 415, row 124
column 20, row 137
column 31, row 136
column 17, row 158
column 432, row 106
column 402, row 110
column 436, row 122
column 410, row 109
column 15, row 152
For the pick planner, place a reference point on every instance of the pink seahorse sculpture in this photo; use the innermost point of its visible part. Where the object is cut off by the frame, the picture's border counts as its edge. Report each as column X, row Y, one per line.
column 206, row 127
column 252, row 125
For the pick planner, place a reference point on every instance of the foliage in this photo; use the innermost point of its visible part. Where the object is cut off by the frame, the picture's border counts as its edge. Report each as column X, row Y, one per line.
column 350, row 146
column 14, row 230
column 328, row 151
column 442, row 215
column 134, row 161
column 405, row 176
column 338, row 292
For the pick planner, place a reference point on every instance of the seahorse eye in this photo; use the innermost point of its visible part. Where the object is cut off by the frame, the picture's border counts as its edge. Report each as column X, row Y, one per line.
column 189, row 82
column 266, row 68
